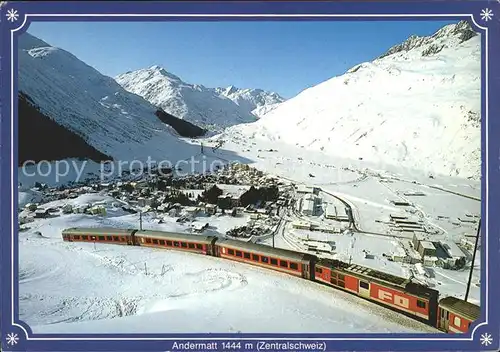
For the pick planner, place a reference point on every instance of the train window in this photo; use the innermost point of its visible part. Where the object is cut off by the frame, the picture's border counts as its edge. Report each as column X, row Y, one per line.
column 101, row 238
column 264, row 259
column 283, row 264
column 447, row 315
column 191, row 245
column 274, row 261
column 238, row 254
column 76, row 237
column 341, row 277
column 457, row 322
column 420, row 304
column 184, row 245
column 109, row 238
column 176, row 244
column 169, row 243
column 199, row 246
column 364, row 285
column 333, row 280
column 155, row 241
column 116, row 239
column 246, row 255
column 255, row 257
column 294, row 266
column 148, row 240
column 230, row 251
column 341, row 284
column 442, row 313
column 319, row 270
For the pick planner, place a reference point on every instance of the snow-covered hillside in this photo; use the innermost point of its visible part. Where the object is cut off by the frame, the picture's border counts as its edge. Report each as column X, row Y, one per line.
column 212, row 108
column 417, row 106
column 76, row 96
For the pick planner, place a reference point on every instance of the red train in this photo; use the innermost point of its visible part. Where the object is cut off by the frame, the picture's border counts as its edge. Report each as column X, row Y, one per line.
column 420, row 302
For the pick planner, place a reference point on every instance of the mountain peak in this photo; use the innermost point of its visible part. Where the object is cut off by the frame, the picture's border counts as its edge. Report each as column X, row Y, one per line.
column 156, row 68
column 448, row 36
column 211, row 108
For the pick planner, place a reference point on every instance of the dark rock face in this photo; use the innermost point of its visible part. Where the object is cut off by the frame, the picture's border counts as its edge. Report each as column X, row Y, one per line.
column 462, row 30
column 41, row 138
column 433, row 49
column 182, row 127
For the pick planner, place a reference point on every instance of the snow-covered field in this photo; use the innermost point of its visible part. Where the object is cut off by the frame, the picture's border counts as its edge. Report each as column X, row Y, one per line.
column 78, row 287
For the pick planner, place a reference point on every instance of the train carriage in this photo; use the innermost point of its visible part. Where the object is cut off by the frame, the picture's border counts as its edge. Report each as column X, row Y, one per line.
column 451, row 314
column 99, row 234
column 395, row 292
column 290, row 262
column 177, row 241
column 456, row 315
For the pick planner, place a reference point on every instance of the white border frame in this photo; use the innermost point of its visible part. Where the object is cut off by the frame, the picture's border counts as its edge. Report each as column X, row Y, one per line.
column 14, row 167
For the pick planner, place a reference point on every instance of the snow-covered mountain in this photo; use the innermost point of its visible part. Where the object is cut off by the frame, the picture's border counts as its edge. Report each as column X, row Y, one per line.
column 417, row 106
column 211, row 108
column 95, row 107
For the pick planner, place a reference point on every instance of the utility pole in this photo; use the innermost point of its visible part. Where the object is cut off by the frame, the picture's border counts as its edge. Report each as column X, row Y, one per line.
column 140, row 220
column 473, row 260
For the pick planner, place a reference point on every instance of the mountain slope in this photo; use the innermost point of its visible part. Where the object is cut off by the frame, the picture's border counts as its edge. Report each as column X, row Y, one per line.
column 89, row 104
column 417, row 106
column 211, row 108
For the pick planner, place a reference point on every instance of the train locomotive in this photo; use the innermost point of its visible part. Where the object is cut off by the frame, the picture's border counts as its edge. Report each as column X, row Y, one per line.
column 450, row 314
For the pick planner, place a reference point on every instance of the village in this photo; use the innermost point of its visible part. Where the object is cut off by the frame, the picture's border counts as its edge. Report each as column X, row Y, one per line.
column 241, row 202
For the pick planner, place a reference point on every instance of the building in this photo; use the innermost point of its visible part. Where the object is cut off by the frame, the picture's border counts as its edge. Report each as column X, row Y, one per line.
column 302, row 189
column 301, row 225
column 199, row 228
column 417, row 237
column 308, row 206
column 98, row 210
column 30, row 206
column 430, row 261
column 210, row 209
column 174, row 212
column 468, row 243
column 67, row 209
column 191, row 211
column 319, row 247
column 457, row 256
column 426, row 249
column 42, row 213
column 334, row 213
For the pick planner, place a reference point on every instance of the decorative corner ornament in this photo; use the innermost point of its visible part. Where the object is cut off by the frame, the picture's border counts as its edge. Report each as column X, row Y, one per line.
column 486, row 339
column 12, row 15
column 12, row 339
column 487, row 14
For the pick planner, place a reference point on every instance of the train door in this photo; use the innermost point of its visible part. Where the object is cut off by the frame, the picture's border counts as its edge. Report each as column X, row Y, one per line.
column 364, row 288
column 305, row 271
column 444, row 319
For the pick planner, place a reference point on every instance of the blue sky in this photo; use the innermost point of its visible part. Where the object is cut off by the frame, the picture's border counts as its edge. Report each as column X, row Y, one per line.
column 285, row 57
